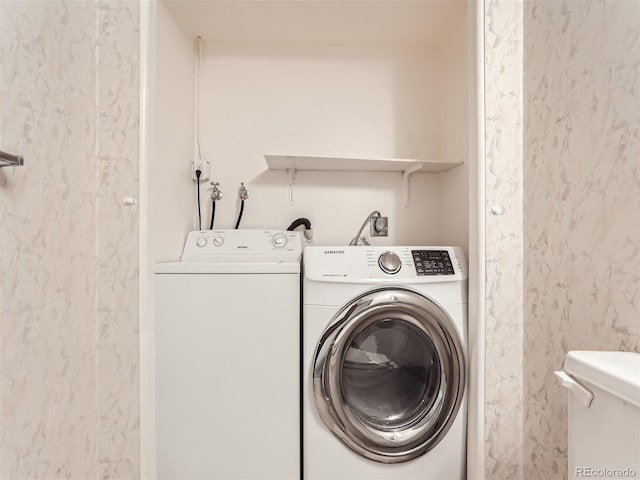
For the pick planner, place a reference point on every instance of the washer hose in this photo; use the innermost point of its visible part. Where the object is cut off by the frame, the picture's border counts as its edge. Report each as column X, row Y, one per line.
column 216, row 194
column 243, row 193
column 213, row 213
column 240, row 213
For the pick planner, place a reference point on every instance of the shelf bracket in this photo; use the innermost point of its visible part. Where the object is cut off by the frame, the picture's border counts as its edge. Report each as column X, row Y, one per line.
column 405, row 180
column 291, row 171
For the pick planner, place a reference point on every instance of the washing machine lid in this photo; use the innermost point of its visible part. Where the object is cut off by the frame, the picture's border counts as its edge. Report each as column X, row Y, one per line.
column 389, row 374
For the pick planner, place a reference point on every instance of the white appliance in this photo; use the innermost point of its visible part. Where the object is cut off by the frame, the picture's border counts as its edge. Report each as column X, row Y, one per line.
column 604, row 413
column 227, row 357
column 384, row 363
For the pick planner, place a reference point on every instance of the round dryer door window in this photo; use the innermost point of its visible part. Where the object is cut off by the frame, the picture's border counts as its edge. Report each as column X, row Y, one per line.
column 389, row 375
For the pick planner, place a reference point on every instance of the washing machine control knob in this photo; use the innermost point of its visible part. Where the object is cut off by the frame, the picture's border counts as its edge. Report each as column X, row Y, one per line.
column 201, row 242
column 218, row 241
column 389, row 262
column 279, row 240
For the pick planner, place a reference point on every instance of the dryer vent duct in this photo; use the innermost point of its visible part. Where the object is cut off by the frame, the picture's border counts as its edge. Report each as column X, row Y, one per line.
column 302, row 222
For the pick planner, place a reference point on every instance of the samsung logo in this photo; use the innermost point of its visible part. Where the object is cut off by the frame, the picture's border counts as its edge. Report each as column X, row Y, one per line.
column 334, row 252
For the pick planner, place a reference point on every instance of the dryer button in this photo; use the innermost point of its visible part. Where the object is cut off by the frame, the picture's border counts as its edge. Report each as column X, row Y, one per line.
column 389, row 263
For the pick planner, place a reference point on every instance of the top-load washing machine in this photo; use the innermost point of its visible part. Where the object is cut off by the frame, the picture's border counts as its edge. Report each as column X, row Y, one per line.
column 384, row 363
column 227, row 330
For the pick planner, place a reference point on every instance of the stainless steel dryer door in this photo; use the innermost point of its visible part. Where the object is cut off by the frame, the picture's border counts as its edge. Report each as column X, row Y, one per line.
column 389, row 374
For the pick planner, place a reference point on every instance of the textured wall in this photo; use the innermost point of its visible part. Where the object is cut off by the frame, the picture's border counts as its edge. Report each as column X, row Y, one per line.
column 504, row 264
column 582, row 202
column 47, row 250
column 68, row 251
column 118, row 352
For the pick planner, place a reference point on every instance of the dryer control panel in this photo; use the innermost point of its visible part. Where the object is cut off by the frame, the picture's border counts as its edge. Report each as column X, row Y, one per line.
column 432, row 262
column 242, row 246
column 378, row 264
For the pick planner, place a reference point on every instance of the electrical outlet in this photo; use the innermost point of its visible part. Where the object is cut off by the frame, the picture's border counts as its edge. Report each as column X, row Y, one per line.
column 379, row 227
column 204, row 170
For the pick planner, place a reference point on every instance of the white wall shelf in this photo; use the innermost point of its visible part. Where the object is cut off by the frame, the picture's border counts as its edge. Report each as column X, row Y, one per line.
column 336, row 164
column 294, row 163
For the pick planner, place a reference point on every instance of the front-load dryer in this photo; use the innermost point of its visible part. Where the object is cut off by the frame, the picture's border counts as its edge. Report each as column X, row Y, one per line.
column 384, row 363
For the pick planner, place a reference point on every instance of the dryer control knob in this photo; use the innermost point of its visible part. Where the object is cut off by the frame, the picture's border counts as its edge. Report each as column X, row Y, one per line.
column 389, row 262
column 201, row 242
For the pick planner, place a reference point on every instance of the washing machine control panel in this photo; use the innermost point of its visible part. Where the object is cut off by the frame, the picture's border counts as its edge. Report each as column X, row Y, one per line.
column 243, row 245
column 432, row 262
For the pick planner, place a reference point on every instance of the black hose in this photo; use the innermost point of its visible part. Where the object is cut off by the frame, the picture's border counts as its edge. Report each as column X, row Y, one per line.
column 198, row 173
column 240, row 214
column 213, row 213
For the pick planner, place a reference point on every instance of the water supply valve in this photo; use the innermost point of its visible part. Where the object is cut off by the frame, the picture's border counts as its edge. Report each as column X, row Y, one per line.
column 243, row 193
column 216, row 193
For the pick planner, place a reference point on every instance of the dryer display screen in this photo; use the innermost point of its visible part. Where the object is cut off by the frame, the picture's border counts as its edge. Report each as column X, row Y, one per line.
column 432, row 262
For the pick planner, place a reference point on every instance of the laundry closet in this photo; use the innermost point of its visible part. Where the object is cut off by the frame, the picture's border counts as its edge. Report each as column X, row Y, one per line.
column 323, row 109
column 314, row 85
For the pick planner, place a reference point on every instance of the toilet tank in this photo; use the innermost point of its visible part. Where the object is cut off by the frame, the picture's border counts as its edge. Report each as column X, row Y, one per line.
column 604, row 414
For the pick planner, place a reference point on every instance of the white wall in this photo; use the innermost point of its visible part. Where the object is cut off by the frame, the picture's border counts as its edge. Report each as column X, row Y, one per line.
column 169, row 56
column 171, row 202
column 359, row 101
column 455, row 138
